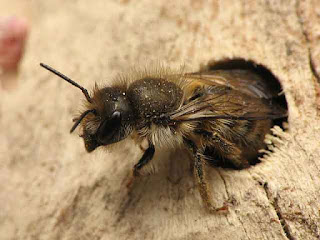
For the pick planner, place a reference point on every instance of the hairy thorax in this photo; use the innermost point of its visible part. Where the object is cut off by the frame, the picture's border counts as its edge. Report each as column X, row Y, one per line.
column 151, row 99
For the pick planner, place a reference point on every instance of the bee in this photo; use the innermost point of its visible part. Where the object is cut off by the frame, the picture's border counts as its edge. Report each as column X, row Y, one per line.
column 220, row 117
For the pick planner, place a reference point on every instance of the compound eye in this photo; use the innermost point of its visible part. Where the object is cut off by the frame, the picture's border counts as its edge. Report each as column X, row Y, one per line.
column 109, row 130
column 116, row 115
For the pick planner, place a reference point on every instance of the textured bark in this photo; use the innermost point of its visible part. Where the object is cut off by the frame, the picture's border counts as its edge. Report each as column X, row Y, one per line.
column 50, row 188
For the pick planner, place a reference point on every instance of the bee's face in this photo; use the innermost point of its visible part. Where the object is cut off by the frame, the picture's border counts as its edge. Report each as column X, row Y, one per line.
column 110, row 118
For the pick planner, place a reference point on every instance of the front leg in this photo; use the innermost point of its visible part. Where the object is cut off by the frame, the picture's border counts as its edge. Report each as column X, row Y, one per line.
column 146, row 157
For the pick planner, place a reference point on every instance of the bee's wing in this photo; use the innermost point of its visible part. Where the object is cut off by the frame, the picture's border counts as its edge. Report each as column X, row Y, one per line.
column 227, row 95
column 244, row 81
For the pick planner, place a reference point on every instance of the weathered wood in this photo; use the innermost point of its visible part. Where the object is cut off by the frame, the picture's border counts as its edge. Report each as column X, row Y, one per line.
column 50, row 188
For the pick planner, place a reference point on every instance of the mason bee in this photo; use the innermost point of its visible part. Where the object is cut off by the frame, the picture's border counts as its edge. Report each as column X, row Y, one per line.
column 220, row 117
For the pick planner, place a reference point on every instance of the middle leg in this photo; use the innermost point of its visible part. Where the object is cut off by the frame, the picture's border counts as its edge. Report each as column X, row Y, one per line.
column 200, row 175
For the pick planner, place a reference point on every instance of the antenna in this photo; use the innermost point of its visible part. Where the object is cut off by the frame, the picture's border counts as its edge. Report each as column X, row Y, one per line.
column 85, row 91
column 75, row 125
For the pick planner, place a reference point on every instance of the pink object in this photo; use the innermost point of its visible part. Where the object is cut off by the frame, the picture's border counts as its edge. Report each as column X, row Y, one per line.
column 13, row 33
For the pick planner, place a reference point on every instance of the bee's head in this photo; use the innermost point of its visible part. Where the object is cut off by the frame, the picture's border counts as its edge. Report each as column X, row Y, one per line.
column 108, row 118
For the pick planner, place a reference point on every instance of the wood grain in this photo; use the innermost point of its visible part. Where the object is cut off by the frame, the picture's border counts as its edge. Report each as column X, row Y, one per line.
column 50, row 188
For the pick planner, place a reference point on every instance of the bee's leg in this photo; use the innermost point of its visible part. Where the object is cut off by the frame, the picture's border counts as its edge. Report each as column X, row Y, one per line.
column 229, row 151
column 230, row 154
column 200, row 175
column 190, row 146
column 146, row 157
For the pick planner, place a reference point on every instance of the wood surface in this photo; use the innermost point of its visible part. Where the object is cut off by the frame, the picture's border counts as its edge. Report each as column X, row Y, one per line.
column 50, row 188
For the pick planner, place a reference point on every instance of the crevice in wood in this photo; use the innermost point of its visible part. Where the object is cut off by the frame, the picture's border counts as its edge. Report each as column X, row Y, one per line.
column 230, row 197
column 312, row 67
column 275, row 203
column 306, row 38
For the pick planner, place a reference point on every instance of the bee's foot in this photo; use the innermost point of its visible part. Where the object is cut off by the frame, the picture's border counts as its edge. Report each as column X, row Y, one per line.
column 130, row 182
column 224, row 209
